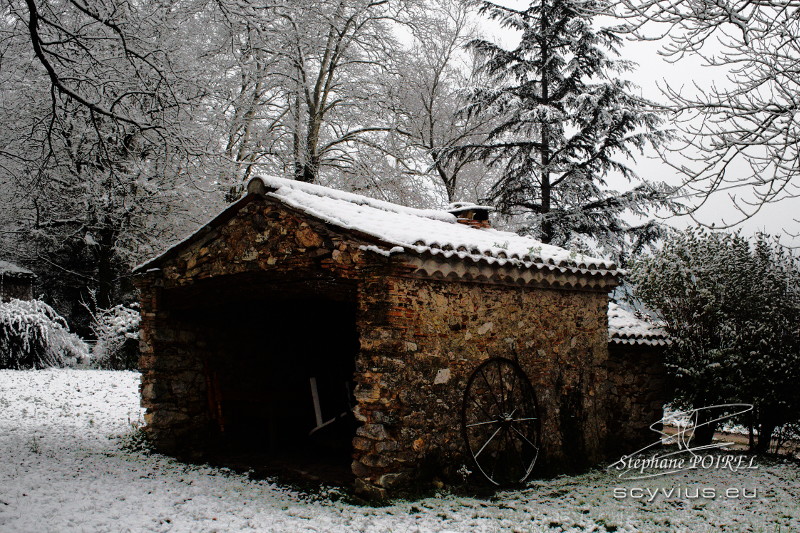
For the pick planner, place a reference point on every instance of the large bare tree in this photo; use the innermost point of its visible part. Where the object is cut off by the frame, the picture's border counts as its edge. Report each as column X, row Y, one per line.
column 434, row 78
column 741, row 132
column 309, row 84
column 125, row 121
column 95, row 161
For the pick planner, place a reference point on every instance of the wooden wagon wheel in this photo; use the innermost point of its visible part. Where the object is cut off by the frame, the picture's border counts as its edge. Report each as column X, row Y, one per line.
column 500, row 421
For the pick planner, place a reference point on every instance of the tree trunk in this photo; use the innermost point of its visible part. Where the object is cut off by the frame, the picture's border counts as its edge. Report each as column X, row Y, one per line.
column 312, row 157
column 765, row 430
column 704, row 434
column 298, row 124
column 105, row 268
column 546, row 233
column 310, row 170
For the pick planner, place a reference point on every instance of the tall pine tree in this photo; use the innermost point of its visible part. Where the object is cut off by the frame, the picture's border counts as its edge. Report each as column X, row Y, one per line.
column 567, row 123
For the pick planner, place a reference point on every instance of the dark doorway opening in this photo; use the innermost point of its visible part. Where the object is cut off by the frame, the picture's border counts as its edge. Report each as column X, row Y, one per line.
column 280, row 384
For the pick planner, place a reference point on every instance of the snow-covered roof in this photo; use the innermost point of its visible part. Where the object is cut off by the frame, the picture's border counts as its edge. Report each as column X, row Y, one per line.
column 456, row 207
column 624, row 327
column 10, row 269
column 433, row 238
column 405, row 229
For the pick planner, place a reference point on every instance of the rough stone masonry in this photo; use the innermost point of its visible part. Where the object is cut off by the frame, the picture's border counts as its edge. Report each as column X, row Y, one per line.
column 420, row 335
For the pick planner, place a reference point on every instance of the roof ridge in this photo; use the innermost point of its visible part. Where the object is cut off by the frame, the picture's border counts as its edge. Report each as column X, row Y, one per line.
column 273, row 183
column 413, row 229
column 7, row 267
column 496, row 243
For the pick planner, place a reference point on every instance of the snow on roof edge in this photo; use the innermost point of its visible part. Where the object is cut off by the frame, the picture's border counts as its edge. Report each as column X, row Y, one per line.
column 275, row 183
column 417, row 230
column 9, row 268
column 428, row 230
column 624, row 327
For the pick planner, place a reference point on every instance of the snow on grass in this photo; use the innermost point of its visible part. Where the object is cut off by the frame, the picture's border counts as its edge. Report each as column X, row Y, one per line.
column 64, row 468
column 682, row 419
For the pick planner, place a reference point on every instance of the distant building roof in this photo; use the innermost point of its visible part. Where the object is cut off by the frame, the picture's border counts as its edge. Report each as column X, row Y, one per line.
column 624, row 327
column 10, row 269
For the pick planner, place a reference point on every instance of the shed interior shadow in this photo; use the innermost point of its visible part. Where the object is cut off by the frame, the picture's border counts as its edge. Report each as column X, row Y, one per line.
column 268, row 356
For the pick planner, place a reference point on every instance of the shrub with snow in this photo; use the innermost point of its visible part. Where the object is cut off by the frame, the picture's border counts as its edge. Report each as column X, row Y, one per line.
column 732, row 307
column 117, row 330
column 33, row 335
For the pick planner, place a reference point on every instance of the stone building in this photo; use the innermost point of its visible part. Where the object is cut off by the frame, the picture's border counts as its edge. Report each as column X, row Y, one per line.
column 15, row 282
column 638, row 387
column 303, row 316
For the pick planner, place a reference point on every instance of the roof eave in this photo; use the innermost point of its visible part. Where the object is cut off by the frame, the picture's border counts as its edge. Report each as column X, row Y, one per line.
column 433, row 265
column 18, row 275
column 640, row 341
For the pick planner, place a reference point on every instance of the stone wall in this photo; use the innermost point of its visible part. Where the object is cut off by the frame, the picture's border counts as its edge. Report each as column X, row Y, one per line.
column 173, row 388
column 264, row 247
column 423, row 339
column 266, row 238
column 420, row 339
column 636, row 393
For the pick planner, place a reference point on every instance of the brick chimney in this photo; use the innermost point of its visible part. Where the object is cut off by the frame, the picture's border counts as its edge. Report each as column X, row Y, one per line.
column 471, row 214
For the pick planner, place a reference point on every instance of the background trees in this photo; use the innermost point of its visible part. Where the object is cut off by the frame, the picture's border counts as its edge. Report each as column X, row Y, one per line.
column 126, row 123
column 309, row 85
column 566, row 124
column 740, row 133
column 732, row 308
column 432, row 79
column 98, row 156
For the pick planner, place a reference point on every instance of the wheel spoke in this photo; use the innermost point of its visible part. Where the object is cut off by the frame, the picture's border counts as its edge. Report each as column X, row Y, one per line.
column 497, row 457
column 525, row 464
column 485, row 444
column 491, row 391
column 525, row 467
column 483, row 423
column 480, row 406
column 518, row 432
column 511, row 448
column 513, row 387
column 501, row 389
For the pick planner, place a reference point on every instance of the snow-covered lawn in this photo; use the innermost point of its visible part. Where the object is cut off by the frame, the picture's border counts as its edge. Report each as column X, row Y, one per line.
column 64, row 469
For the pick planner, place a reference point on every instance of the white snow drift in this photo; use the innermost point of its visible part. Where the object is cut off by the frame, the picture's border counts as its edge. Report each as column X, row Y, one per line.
column 64, row 469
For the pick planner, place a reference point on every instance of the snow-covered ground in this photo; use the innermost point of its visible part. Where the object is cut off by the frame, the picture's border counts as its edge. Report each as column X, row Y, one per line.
column 64, row 469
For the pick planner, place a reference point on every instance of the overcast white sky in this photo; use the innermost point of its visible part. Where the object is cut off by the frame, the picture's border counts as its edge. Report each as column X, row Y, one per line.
column 653, row 70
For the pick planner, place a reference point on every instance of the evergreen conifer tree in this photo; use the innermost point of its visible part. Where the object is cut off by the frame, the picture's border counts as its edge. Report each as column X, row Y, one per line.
column 567, row 123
